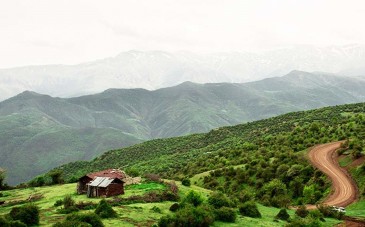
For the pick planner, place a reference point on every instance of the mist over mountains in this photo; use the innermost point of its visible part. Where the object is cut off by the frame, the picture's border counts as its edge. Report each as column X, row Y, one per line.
column 39, row 132
column 157, row 69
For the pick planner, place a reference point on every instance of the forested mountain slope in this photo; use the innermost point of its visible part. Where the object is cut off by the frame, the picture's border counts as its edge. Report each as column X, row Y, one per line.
column 39, row 132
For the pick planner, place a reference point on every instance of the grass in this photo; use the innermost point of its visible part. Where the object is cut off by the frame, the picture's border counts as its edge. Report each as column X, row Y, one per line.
column 345, row 161
column 138, row 214
column 356, row 209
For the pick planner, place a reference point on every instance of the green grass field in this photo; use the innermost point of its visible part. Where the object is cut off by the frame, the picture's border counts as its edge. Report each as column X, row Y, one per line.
column 138, row 214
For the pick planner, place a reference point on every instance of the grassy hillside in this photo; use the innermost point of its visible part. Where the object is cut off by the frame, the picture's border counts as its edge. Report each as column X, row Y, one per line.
column 256, row 157
column 141, row 214
column 63, row 130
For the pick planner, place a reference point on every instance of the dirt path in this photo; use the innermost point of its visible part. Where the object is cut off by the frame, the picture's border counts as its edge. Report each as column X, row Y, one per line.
column 344, row 190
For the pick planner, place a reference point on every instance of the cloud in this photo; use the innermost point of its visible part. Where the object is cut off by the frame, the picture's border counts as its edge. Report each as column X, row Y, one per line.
column 43, row 32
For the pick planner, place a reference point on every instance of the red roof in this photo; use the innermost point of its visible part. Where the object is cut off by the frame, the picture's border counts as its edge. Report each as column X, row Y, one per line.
column 112, row 173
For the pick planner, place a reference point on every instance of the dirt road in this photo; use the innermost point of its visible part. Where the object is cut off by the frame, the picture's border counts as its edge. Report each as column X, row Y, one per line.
column 344, row 190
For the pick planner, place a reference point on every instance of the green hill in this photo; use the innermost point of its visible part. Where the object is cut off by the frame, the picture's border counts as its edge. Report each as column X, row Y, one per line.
column 264, row 151
column 39, row 132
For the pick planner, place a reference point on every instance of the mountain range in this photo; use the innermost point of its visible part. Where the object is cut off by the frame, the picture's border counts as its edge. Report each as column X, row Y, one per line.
column 39, row 132
column 157, row 69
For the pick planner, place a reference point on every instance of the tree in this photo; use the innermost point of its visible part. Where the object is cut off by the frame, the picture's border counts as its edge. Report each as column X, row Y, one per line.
column 56, row 176
column 250, row 209
column 283, row 215
column 193, row 198
column 2, row 178
column 28, row 214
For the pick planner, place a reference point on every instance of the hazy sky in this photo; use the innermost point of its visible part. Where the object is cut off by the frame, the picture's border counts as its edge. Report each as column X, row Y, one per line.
column 45, row 32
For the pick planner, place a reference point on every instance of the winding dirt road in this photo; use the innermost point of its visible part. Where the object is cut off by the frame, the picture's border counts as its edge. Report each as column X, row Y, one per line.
column 344, row 190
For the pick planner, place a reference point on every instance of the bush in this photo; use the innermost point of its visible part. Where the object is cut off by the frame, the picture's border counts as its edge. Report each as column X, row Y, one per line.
column 250, row 209
column 90, row 218
column 56, row 176
column 174, row 207
column 58, row 203
column 193, row 198
column 186, row 182
column 156, row 209
column 218, row 200
column 28, row 214
column 189, row 216
column 226, row 214
column 68, row 202
column 71, row 224
column 104, row 210
column 328, row 211
column 6, row 223
column 283, row 215
column 302, row 211
column 68, row 205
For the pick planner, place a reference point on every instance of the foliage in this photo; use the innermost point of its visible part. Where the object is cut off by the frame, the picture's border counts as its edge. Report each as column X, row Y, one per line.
column 27, row 214
column 194, row 198
column 104, row 210
column 2, row 178
column 328, row 211
column 249, row 209
column 174, row 207
column 56, row 176
column 225, row 214
column 7, row 223
column 81, row 220
column 268, row 154
column 186, row 182
column 156, row 209
column 218, row 200
column 58, row 203
column 189, row 216
column 283, row 215
column 302, row 211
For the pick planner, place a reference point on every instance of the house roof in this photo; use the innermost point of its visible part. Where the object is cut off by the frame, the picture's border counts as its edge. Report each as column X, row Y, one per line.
column 101, row 182
column 111, row 173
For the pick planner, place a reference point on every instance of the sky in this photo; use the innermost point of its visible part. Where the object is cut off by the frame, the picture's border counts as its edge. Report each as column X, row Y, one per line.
column 37, row 32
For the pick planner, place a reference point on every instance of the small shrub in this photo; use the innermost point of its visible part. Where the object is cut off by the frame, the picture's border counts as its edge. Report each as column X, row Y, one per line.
column 68, row 202
column 27, row 214
column 153, row 177
column 283, row 215
column 156, row 209
column 58, row 203
column 226, row 214
column 186, row 182
column 71, row 224
column 174, row 207
column 250, row 209
column 193, row 198
column 90, row 218
column 189, row 216
column 302, row 211
column 315, row 214
column 218, row 200
column 104, row 210
column 6, row 223
column 85, row 205
column 329, row 212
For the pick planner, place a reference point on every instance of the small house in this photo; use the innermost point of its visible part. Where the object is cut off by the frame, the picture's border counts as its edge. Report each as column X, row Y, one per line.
column 105, row 187
column 112, row 183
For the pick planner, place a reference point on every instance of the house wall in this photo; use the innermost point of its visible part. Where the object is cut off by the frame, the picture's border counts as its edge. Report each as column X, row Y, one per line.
column 115, row 189
column 82, row 185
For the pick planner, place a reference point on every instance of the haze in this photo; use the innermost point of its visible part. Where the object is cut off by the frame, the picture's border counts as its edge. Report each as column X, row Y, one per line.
column 70, row 32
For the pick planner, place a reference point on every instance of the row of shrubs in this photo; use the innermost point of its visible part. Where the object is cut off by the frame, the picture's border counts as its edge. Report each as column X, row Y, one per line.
column 193, row 210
